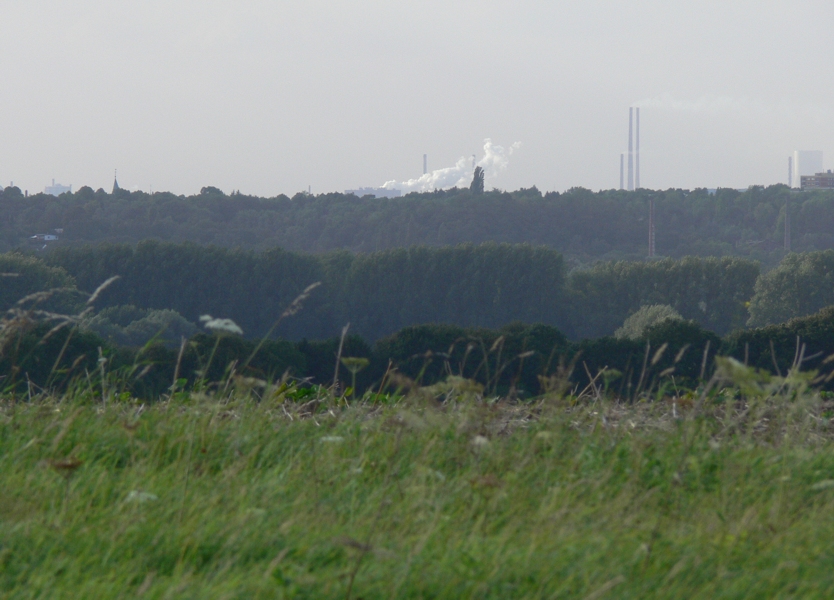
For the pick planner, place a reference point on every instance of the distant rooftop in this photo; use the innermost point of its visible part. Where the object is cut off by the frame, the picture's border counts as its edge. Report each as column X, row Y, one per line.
column 820, row 181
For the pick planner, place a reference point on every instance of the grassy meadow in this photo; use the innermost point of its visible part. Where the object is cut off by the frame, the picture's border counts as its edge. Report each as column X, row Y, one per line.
column 253, row 491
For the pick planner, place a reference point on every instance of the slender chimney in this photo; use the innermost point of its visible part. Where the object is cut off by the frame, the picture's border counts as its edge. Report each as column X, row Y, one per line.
column 630, row 149
column 425, row 164
column 637, row 153
column 622, row 160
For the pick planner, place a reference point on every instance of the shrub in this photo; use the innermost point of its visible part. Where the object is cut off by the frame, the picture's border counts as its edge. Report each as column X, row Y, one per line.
column 646, row 316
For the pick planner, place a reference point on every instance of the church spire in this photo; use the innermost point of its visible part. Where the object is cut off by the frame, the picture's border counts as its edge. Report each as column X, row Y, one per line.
column 116, row 187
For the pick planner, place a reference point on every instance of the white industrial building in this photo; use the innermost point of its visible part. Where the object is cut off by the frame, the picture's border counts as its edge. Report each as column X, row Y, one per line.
column 805, row 162
column 56, row 189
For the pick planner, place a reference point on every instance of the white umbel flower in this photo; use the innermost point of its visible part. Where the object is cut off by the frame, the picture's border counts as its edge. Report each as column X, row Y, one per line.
column 224, row 325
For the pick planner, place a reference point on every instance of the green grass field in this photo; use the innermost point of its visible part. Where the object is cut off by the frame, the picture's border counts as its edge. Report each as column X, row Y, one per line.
column 724, row 494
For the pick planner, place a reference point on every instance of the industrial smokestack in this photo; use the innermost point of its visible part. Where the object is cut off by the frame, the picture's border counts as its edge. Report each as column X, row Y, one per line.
column 630, row 149
column 622, row 160
column 637, row 152
column 425, row 164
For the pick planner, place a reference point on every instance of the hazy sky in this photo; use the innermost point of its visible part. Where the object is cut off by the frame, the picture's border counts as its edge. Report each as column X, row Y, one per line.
column 269, row 97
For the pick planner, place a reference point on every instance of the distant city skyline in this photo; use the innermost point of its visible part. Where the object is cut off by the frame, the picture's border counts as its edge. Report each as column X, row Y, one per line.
column 270, row 98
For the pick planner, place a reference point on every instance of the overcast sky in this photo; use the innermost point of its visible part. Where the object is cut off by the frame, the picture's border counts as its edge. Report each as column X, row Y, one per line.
column 269, row 97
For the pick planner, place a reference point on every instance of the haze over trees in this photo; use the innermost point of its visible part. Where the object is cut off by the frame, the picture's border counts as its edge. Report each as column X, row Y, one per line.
column 404, row 300
column 584, row 226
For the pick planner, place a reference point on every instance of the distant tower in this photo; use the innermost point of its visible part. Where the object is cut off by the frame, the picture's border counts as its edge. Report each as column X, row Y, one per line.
column 787, row 224
column 651, row 227
column 790, row 171
column 116, row 187
column 622, row 160
column 637, row 152
column 630, row 149
column 425, row 164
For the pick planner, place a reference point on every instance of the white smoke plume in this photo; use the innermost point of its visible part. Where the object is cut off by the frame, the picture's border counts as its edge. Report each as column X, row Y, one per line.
column 495, row 159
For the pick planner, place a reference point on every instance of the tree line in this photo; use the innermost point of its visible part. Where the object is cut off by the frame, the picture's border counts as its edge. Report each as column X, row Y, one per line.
column 379, row 293
column 584, row 226
column 487, row 285
column 521, row 361
column 500, row 314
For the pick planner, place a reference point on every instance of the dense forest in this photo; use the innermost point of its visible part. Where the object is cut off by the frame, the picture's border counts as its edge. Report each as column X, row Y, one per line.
column 506, row 316
column 584, row 226
column 503, row 288
column 488, row 285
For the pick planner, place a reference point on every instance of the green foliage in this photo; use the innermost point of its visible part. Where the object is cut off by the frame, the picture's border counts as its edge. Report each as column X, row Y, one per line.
column 778, row 347
column 711, row 291
column 214, row 358
column 49, row 356
column 801, row 285
column 477, row 185
column 22, row 275
column 423, row 329
column 509, row 358
column 689, row 349
column 670, row 353
column 378, row 293
column 253, row 290
column 135, row 327
column 487, row 286
column 615, row 365
column 520, row 361
column 584, row 226
column 320, row 361
column 646, row 316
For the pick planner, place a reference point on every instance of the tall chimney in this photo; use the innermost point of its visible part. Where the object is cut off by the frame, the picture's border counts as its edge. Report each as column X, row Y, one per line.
column 425, row 164
column 622, row 160
column 630, row 149
column 637, row 157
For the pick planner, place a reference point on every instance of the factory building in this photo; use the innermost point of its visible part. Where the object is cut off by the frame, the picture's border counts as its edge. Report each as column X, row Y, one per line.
column 818, row 181
column 56, row 189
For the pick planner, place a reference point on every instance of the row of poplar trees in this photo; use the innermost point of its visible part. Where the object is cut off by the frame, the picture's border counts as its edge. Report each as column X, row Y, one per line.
column 487, row 285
